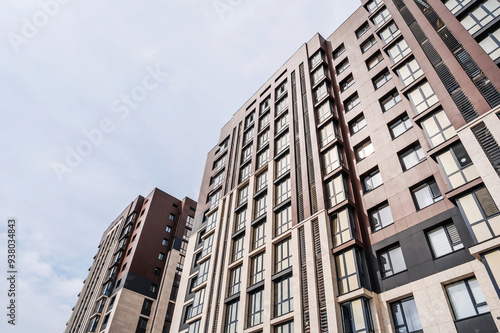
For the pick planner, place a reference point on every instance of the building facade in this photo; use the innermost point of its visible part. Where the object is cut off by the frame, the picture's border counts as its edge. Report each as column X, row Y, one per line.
column 133, row 282
column 358, row 189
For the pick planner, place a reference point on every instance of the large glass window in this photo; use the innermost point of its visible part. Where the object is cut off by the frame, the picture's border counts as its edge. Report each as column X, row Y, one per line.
column 263, row 139
column 282, row 105
column 343, row 227
column 480, row 15
column 391, row 261
column 399, row 50
column 368, row 43
column 411, row 156
column 328, row 133
column 381, row 17
column 409, row 72
column 261, row 181
column 332, row 159
column 381, row 79
column 466, row 299
column 316, row 58
column 207, row 245
column 248, row 135
column 246, row 154
column 362, row 29
column 238, row 248
column 231, row 317
column 194, row 327
column 372, row 180
column 346, row 83
column 321, row 91
column 214, row 199
column 481, row 212
column 283, row 296
column 390, row 100
column 245, row 172
column 260, row 206
column 357, row 124
column 318, row 74
column 284, row 328
column 203, row 272
column 342, row 66
column 349, row 273
column 422, row 97
column 356, row 316
column 338, row 51
column 262, row 158
column 390, row 32
column 444, row 239
column 259, row 235
column 401, row 125
column 380, row 217
column 324, row 111
column 363, row 150
column 257, row 269
column 283, row 220
column 243, row 195
column 282, row 165
column 438, row 128
column 241, row 218
column 491, row 44
column 283, row 191
column 197, row 306
column 351, row 102
column 255, row 308
column 235, row 281
column 281, row 122
column 457, row 166
column 426, row 194
column 282, row 143
column 455, row 5
column 405, row 316
column 264, row 120
column 282, row 255
column 373, row 5
column 374, row 60
column 337, row 190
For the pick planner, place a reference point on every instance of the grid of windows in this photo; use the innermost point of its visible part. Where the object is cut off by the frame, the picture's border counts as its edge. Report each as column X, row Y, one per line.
column 321, row 91
column 282, row 255
column 211, row 221
column 262, row 158
column 264, row 120
column 246, row 154
column 480, row 15
column 263, row 139
column 245, row 172
column 243, row 195
column 282, row 142
column 391, row 261
column 455, row 5
column 373, row 5
column 491, row 44
column 318, row 75
column 328, row 133
column 261, row 181
column 248, row 135
column 316, row 58
column 282, row 122
column 283, row 191
column 203, row 272
column 466, row 299
column 357, row 124
column 284, row 328
column 207, row 245
column 283, row 296
column 241, row 218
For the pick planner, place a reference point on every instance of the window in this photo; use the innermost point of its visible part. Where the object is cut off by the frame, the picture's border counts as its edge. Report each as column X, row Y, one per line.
column 390, row 32
column 283, row 296
column 324, row 111
column 281, row 105
column 255, row 308
column 422, row 97
column 409, row 72
column 264, row 120
column 457, row 166
column 282, row 143
column 343, row 227
column 261, row 181
column 197, row 306
column 328, row 133
column 282, row 255
column 249, row 120
column 231, row 317
column 398, row 51
column 282, row 122
column 280, row 90
column 214, row 199
column 282, row 165
column 389, row 101
column 368, row 43
column 336, row 191
column 94, row 322
column 316, row 58
column 257, row 269
column 203, row 272
column 283, row 191
column 455, row 5
column 157, row 271
column 283, row 220
column 284, row 328
column 466, row 299
column 381, row 79
column 342, row 66
column 321, row 91
column 318, row 74
column 259, row 235
column 426, row 194
column 380, row 18
column 241, row 218
column 211, row 221
column 332, row 159
column 248, row 135
column 351, row 102
column 491, row 44
column 400, row 126
column 245, row 172
column 373, row 5
column 207, row 245
column 260, row 206
column 349, row 273
column 161, row 256
column 372, row 180
column 361, row 30
column 444, row 239
column 262, row 158
column 411, row 156
column 238, row 248
column 346, row 83
column 438, row 128
column 357, row 124
column 265, row 105
column 482, row 214
column 171, row 217
column 356, row 317
column 338, row 51
column 263, row 139
column 363, row 150
column 242, row 195
column 194, row 327
column 374, row 60
column 391, row 261
column 235, row 281
column 143, row 322
column 218, row 164
column 246, row 154
column 168, row 229
column 405, row 316
column 481, row 15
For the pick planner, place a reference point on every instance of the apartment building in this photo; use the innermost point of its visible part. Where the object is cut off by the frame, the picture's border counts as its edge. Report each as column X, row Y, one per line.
column 358, row 189
column 132, row 283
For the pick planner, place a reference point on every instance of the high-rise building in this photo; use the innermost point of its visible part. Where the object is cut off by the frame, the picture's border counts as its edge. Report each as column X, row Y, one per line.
column 358, row 189
column 132, row 283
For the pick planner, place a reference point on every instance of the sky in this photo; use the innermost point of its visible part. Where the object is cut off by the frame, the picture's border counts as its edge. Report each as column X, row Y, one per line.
column 102, row 101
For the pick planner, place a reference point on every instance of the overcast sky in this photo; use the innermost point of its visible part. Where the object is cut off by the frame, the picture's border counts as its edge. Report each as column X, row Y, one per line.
column 101, row 101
